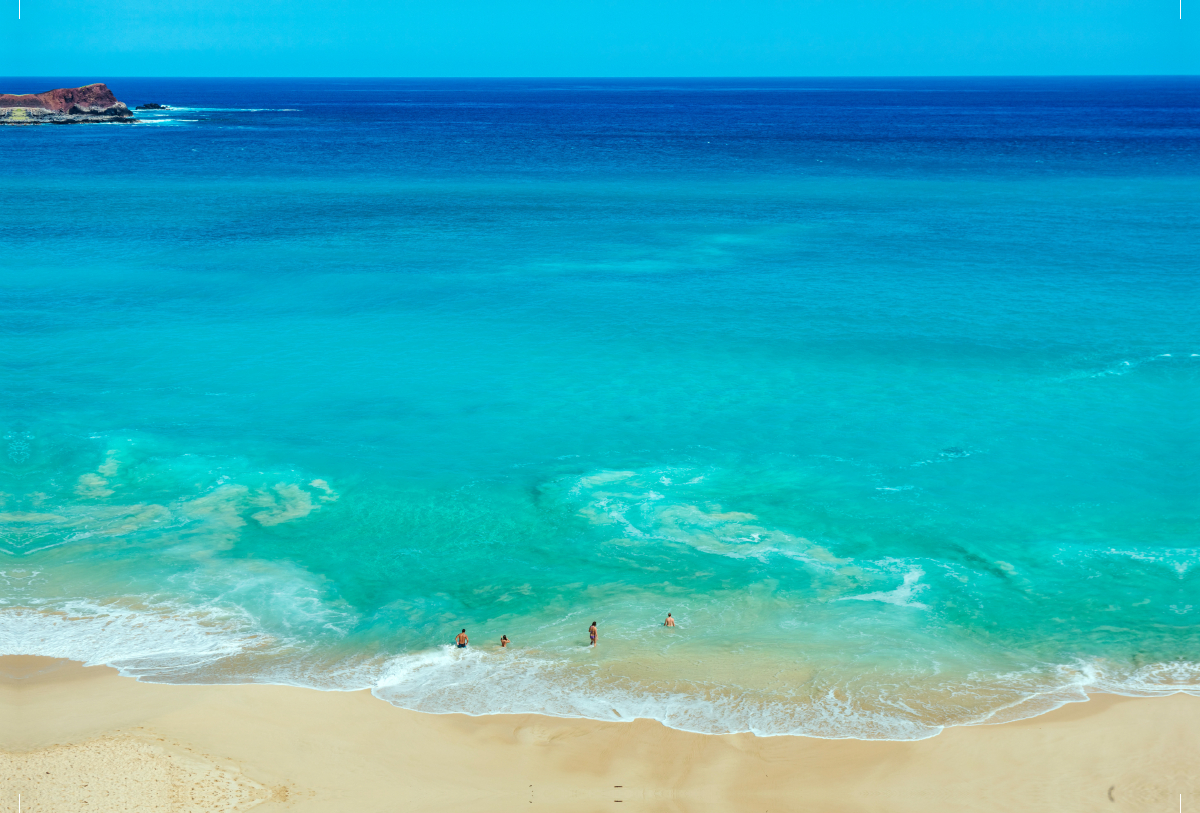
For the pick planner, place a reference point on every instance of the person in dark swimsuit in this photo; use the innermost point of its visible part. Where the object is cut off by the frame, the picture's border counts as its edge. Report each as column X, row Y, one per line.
column 592, row 633
column 460, row 640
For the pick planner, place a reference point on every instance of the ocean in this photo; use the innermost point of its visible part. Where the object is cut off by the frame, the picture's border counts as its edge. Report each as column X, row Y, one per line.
column 885, row 388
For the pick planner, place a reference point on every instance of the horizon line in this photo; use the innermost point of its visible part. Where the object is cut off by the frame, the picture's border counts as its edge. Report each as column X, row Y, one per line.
column 696, row 77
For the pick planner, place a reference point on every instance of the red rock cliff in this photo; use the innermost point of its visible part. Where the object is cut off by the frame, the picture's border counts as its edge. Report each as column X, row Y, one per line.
column 95, row 99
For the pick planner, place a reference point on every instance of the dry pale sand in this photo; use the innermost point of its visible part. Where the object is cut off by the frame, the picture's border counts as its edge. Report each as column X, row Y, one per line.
column 85, row 739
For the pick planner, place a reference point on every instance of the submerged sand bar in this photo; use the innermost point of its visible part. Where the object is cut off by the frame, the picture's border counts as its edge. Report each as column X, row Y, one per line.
column 76, row 738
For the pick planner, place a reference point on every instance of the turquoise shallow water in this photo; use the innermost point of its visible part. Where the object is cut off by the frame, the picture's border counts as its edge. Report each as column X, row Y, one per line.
column 884, row 388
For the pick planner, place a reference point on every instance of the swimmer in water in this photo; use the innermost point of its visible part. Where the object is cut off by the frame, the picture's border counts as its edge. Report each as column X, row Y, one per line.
column 592, row 633
column 670, row 622
column 503, row 641
column 460, row 640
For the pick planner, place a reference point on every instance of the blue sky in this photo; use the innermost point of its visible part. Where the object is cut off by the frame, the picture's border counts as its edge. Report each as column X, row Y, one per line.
column 597, row 37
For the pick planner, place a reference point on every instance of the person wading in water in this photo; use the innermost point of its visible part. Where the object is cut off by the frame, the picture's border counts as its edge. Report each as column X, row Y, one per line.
column 670, row 622
column 592, row 633
column 461, row 639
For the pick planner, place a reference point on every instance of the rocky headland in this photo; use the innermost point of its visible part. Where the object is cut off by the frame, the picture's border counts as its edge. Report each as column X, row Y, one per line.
column 90, row 103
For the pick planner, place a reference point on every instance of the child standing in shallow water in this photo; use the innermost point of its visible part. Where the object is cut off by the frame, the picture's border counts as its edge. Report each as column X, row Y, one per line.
column 592, row 633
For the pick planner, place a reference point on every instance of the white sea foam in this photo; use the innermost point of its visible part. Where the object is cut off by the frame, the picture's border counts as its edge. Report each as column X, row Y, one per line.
column 659, row 504
column 449, row 680
column 165, row 643
column 1122, row 366
column 208, row 520
column 902, row 596
column 156, row 642
column 1180, row 560
column 173, row 109
column 262, row 619
column 473, row 682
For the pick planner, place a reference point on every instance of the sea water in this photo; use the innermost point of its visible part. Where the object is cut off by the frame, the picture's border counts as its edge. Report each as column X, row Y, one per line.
column 885, row 388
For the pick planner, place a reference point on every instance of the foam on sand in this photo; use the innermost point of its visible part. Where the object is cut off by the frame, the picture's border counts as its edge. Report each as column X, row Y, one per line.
column 138, row 748
column 796, row 633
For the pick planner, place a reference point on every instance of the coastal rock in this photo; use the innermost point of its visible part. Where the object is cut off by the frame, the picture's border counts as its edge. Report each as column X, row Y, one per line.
column 90, row 103
column 152, row 106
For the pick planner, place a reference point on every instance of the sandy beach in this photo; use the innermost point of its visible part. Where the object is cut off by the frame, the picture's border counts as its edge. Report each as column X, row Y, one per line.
column 77, row 738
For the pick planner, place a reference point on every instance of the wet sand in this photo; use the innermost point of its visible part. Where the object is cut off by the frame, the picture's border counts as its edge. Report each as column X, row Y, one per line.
column 75, row 738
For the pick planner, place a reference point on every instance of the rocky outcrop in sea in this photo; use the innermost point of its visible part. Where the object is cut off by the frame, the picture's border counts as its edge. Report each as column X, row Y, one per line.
column 90, row 103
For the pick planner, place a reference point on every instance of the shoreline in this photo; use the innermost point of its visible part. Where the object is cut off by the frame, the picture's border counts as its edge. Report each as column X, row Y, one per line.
column 142, row 747
column 486, row 680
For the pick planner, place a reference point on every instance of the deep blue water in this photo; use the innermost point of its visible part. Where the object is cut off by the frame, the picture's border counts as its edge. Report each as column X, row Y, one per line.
column 886, row 388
